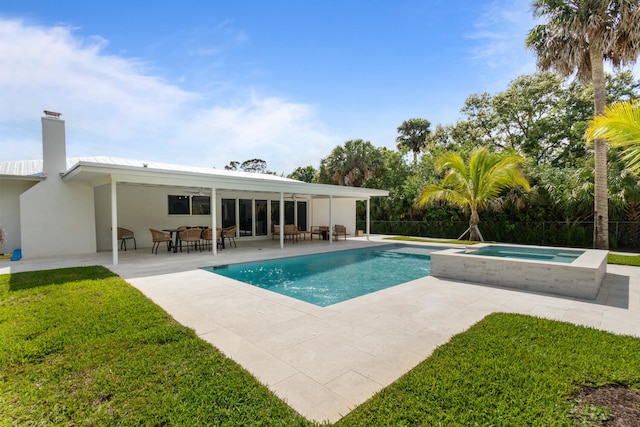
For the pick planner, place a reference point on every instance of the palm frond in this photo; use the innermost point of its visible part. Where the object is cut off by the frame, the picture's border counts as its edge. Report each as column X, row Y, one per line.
column 620, row 127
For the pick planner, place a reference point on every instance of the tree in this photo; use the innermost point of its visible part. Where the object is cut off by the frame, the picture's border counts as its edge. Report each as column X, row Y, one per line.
column 232, row 166
column 351, row 164
column 578, row 37
column 413, row 135
column 304, row 174
column 475, row 185
column 620, row 126
column 253, row 165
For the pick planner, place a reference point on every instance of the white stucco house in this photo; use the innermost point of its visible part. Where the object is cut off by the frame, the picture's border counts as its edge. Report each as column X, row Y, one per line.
column 65, row 206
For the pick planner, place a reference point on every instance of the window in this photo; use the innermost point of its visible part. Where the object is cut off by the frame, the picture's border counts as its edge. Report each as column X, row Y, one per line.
column 200, row 205
column 189, row 205
column 179, row 205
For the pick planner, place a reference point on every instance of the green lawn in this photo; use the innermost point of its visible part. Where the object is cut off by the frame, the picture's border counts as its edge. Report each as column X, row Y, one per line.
column 82, row 347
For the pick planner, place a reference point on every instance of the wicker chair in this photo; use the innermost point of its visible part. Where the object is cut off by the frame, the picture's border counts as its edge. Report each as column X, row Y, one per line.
column 191, row 237
column 207, row 237
column 124, row 235
column 230, row 233
column 158, row 237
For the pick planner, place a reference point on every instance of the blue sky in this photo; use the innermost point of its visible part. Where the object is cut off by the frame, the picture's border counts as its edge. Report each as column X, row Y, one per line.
column 203, row 83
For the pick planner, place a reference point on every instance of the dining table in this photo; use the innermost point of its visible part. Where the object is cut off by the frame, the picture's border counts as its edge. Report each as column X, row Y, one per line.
column 175, row 234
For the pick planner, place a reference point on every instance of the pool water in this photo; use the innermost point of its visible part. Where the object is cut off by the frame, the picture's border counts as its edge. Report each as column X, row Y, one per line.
column 329, row 278
column 528, row 253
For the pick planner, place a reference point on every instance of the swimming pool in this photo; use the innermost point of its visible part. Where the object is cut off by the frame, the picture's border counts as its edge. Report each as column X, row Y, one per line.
column 333, row 277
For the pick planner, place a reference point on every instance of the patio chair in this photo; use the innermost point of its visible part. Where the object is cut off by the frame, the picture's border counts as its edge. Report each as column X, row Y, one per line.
column 230, row 233
column 191, row 237
column 123, row 236
column 339, row 230
column 207, row 237
column 158, row 237
column 291, row 231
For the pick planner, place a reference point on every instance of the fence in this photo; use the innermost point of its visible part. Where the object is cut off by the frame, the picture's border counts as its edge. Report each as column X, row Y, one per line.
column 622, row 234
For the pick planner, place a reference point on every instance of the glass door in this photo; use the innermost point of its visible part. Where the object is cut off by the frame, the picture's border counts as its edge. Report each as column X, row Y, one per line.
column 261, row 217
column 246, row 217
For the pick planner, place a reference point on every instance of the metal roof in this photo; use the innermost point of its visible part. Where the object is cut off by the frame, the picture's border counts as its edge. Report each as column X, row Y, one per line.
column 101, row 170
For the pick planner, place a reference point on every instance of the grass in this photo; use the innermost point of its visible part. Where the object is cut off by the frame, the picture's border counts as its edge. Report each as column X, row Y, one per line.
column 509, row 370
column 82, row 347
column 633, row 260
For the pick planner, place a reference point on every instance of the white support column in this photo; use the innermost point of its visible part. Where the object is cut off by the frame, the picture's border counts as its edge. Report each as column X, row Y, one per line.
column 214, row 220
column 114, row 221
column 281, row 220
column 295, row 211
column 368, row 228
column 331, row 219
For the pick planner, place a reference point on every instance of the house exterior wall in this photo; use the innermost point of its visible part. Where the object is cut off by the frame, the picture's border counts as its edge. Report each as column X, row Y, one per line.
column 144, row 207
column 10, row 212
column 344, row 213
column 57, row 218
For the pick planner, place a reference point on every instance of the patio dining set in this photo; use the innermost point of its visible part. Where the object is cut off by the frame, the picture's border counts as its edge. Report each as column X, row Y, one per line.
column 199, row 238
column 202, row 238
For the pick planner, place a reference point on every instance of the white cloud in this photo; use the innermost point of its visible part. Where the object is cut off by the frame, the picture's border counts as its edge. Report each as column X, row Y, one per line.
column 116, row 106
column 500, row 32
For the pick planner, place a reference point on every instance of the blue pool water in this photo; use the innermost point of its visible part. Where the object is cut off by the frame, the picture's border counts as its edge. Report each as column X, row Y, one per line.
column 329, row 278
column 528, row 253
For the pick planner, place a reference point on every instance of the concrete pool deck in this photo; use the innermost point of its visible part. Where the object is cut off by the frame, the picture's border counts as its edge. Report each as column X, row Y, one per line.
column 326, row 361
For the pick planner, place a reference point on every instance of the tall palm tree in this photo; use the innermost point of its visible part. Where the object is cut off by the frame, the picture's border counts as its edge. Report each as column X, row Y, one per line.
column 476, row 185
column 413, row 135
column 578, row 37
column 620, row 126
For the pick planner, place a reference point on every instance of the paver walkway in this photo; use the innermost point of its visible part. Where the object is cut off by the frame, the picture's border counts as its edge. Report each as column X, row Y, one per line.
column 326, row 361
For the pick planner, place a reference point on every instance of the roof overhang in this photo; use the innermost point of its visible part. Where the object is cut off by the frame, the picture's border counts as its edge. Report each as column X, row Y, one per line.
column 96, row 174
column 32, row 178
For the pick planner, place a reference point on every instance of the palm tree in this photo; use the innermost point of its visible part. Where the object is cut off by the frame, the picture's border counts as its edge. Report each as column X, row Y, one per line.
column 474, row 186
column 578, row 37
column 413, row 135
column 620, row 126
column 351, row 164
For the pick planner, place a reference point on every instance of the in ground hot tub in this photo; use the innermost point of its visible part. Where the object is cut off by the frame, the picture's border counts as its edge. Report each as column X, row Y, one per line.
column 569, row 272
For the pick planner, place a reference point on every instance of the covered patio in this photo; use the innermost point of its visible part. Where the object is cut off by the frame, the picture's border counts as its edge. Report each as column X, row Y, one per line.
column 136, row 195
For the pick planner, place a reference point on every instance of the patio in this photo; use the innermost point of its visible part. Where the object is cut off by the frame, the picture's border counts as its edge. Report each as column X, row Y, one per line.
column 326, row 361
